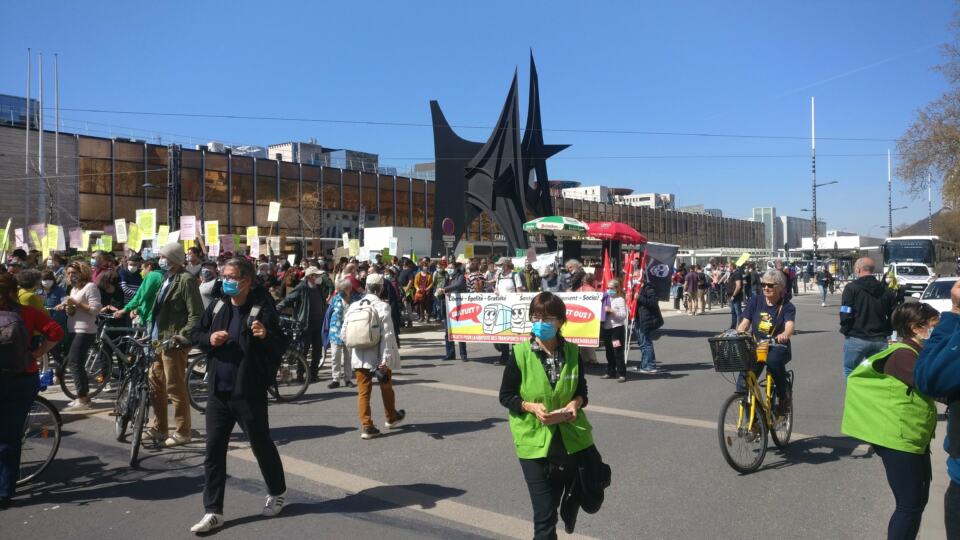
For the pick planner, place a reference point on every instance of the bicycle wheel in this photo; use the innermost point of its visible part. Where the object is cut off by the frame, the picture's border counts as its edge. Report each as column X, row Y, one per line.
column 41, row 440
column 122, row 409
column 288, row 386
column 783, row 425
column 197, row 378
column 743, row 447
column 141, row 408
column 98, row 374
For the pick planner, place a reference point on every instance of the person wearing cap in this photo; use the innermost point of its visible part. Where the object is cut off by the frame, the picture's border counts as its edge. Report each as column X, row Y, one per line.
column 377, row 361
column 176, row 310
column 309, row 302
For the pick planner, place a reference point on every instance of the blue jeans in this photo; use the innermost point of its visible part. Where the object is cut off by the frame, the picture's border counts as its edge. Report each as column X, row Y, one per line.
column 735, row 310
column 648, row 358
column 823, row 292
column 449, row 345
column 16, row 398
column 909, row 478
column 856, row 349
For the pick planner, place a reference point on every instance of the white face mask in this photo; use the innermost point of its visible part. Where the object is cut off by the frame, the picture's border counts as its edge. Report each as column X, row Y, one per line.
column 133, row 269
column 47, row 283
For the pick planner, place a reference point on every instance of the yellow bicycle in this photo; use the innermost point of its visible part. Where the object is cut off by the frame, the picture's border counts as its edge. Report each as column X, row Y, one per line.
column 745, row 418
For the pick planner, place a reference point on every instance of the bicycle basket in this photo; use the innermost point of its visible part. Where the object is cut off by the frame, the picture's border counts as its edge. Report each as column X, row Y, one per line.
column 733, row 353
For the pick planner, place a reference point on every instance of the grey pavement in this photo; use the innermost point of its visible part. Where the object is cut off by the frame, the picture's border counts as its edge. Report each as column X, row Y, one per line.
column 450, row 471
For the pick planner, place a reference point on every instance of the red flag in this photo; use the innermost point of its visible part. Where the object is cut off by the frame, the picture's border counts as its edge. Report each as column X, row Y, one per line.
column 607, row 271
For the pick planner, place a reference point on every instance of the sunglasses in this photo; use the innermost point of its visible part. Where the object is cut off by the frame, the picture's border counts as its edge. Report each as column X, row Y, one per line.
column 768, row 285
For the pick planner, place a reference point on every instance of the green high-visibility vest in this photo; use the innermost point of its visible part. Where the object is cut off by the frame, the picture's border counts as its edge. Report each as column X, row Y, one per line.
column 880, row 409
column 531, row 438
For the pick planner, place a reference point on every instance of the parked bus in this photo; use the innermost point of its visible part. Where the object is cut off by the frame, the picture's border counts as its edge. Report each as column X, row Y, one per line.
column 939, row 256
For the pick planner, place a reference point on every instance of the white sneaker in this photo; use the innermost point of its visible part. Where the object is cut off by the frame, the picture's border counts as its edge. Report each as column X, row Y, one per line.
column 274, row 504
column 823, row 304
column 176, row 440
column 208, row 523
column 77, row 406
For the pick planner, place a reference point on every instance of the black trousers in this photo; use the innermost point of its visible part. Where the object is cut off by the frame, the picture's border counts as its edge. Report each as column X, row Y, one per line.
column 77, row 359
column 909, row 478
column 314, row 339
column 545, row 484
column 951, row 511
column 616, row 361
column 222, row 414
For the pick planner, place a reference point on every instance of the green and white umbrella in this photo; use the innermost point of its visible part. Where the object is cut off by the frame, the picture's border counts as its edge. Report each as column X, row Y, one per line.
column 557, row 226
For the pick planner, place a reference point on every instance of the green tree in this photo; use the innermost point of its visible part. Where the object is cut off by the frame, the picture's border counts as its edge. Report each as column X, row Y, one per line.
column 931, row 145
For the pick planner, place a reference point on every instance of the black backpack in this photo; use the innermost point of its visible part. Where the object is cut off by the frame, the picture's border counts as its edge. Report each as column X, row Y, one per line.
column 15, row 357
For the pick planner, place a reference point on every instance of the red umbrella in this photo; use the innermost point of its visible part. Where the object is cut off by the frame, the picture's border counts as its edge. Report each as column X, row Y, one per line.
column 612, row 230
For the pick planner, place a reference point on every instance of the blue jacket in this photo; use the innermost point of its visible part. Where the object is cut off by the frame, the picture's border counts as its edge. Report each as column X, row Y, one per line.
column 937, row 373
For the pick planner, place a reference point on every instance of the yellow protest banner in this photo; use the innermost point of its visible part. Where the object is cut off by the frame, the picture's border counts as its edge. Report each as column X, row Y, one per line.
column 743, row 258
column 163, row 231
column 211, row 232
column 147, row 221
column 35, row 238
column 253, row 236
column 187, row 244
column 468, row 250
column 134, row 238
column 5, row 243
column 106, row 243
column 354, row 247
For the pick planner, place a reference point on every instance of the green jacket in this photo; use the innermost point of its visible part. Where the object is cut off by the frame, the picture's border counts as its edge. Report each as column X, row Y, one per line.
column 143, row 300
column 181, row 308
column 531, row 438
column 880, row 409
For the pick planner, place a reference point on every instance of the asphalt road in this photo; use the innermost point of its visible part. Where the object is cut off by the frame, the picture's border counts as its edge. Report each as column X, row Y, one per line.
column 450, row 472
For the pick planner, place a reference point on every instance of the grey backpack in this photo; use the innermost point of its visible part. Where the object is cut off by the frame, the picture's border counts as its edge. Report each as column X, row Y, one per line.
column 15, row 357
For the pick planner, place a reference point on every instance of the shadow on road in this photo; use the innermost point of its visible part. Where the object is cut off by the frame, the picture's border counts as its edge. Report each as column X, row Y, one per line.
column 440, row 430
column 288, row 434
column 82, row 480
column 681, row 332
column 688, row 366
column 375, row 499
column 817, row 450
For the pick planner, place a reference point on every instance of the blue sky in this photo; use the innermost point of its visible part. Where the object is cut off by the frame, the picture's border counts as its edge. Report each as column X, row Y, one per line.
column 686, row 67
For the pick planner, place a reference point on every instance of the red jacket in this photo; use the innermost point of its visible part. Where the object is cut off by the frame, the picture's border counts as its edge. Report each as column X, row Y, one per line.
column 38, row 322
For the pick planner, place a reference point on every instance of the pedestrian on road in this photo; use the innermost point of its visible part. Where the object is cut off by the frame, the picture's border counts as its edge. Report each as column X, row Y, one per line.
column 378, row 361
column 544, row 388
column 866, row 306
column 937, row 373
column 244, row 343
column 883, row 408
column 309, row 301
column 339, row 354
column 646, row 320
column 824, row 280
column 456, row 283
column 19, row 383
column 613, row 332
column 506, row 282
column 81, row 307
column 176, row 310
column 735, row 286
column 772, row 316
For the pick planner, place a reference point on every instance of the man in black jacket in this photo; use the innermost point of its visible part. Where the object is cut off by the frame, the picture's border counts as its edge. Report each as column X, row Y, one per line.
column 456, row 283
column 865, row 312
column 647, row 319
column 309, row 299
column 242, row 337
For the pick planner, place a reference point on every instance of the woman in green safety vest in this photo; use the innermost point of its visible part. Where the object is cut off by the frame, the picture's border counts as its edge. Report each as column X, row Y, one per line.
column 544, row 388
column 883, row 408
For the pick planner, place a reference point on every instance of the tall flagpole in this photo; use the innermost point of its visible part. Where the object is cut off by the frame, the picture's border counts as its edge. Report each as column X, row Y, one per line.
column 813, row 172
column 56, row 100
column 26, row 152
column 40, row 112
column 889, row 197
column 929, row 205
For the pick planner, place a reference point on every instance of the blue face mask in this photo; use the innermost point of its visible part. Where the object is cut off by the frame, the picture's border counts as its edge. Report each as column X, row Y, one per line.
column 231, row 287
column 544, row 330
column 163, row 263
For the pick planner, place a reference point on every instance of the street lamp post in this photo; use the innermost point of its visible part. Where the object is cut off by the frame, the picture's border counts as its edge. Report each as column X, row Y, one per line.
column 891, row 211
column 814, row 214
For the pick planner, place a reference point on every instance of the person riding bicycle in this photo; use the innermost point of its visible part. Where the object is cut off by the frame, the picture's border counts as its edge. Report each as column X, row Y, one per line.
column 771, row 315
column 19, row 383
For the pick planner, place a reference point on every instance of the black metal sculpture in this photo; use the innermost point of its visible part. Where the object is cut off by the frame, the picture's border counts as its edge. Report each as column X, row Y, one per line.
column 505, row 177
